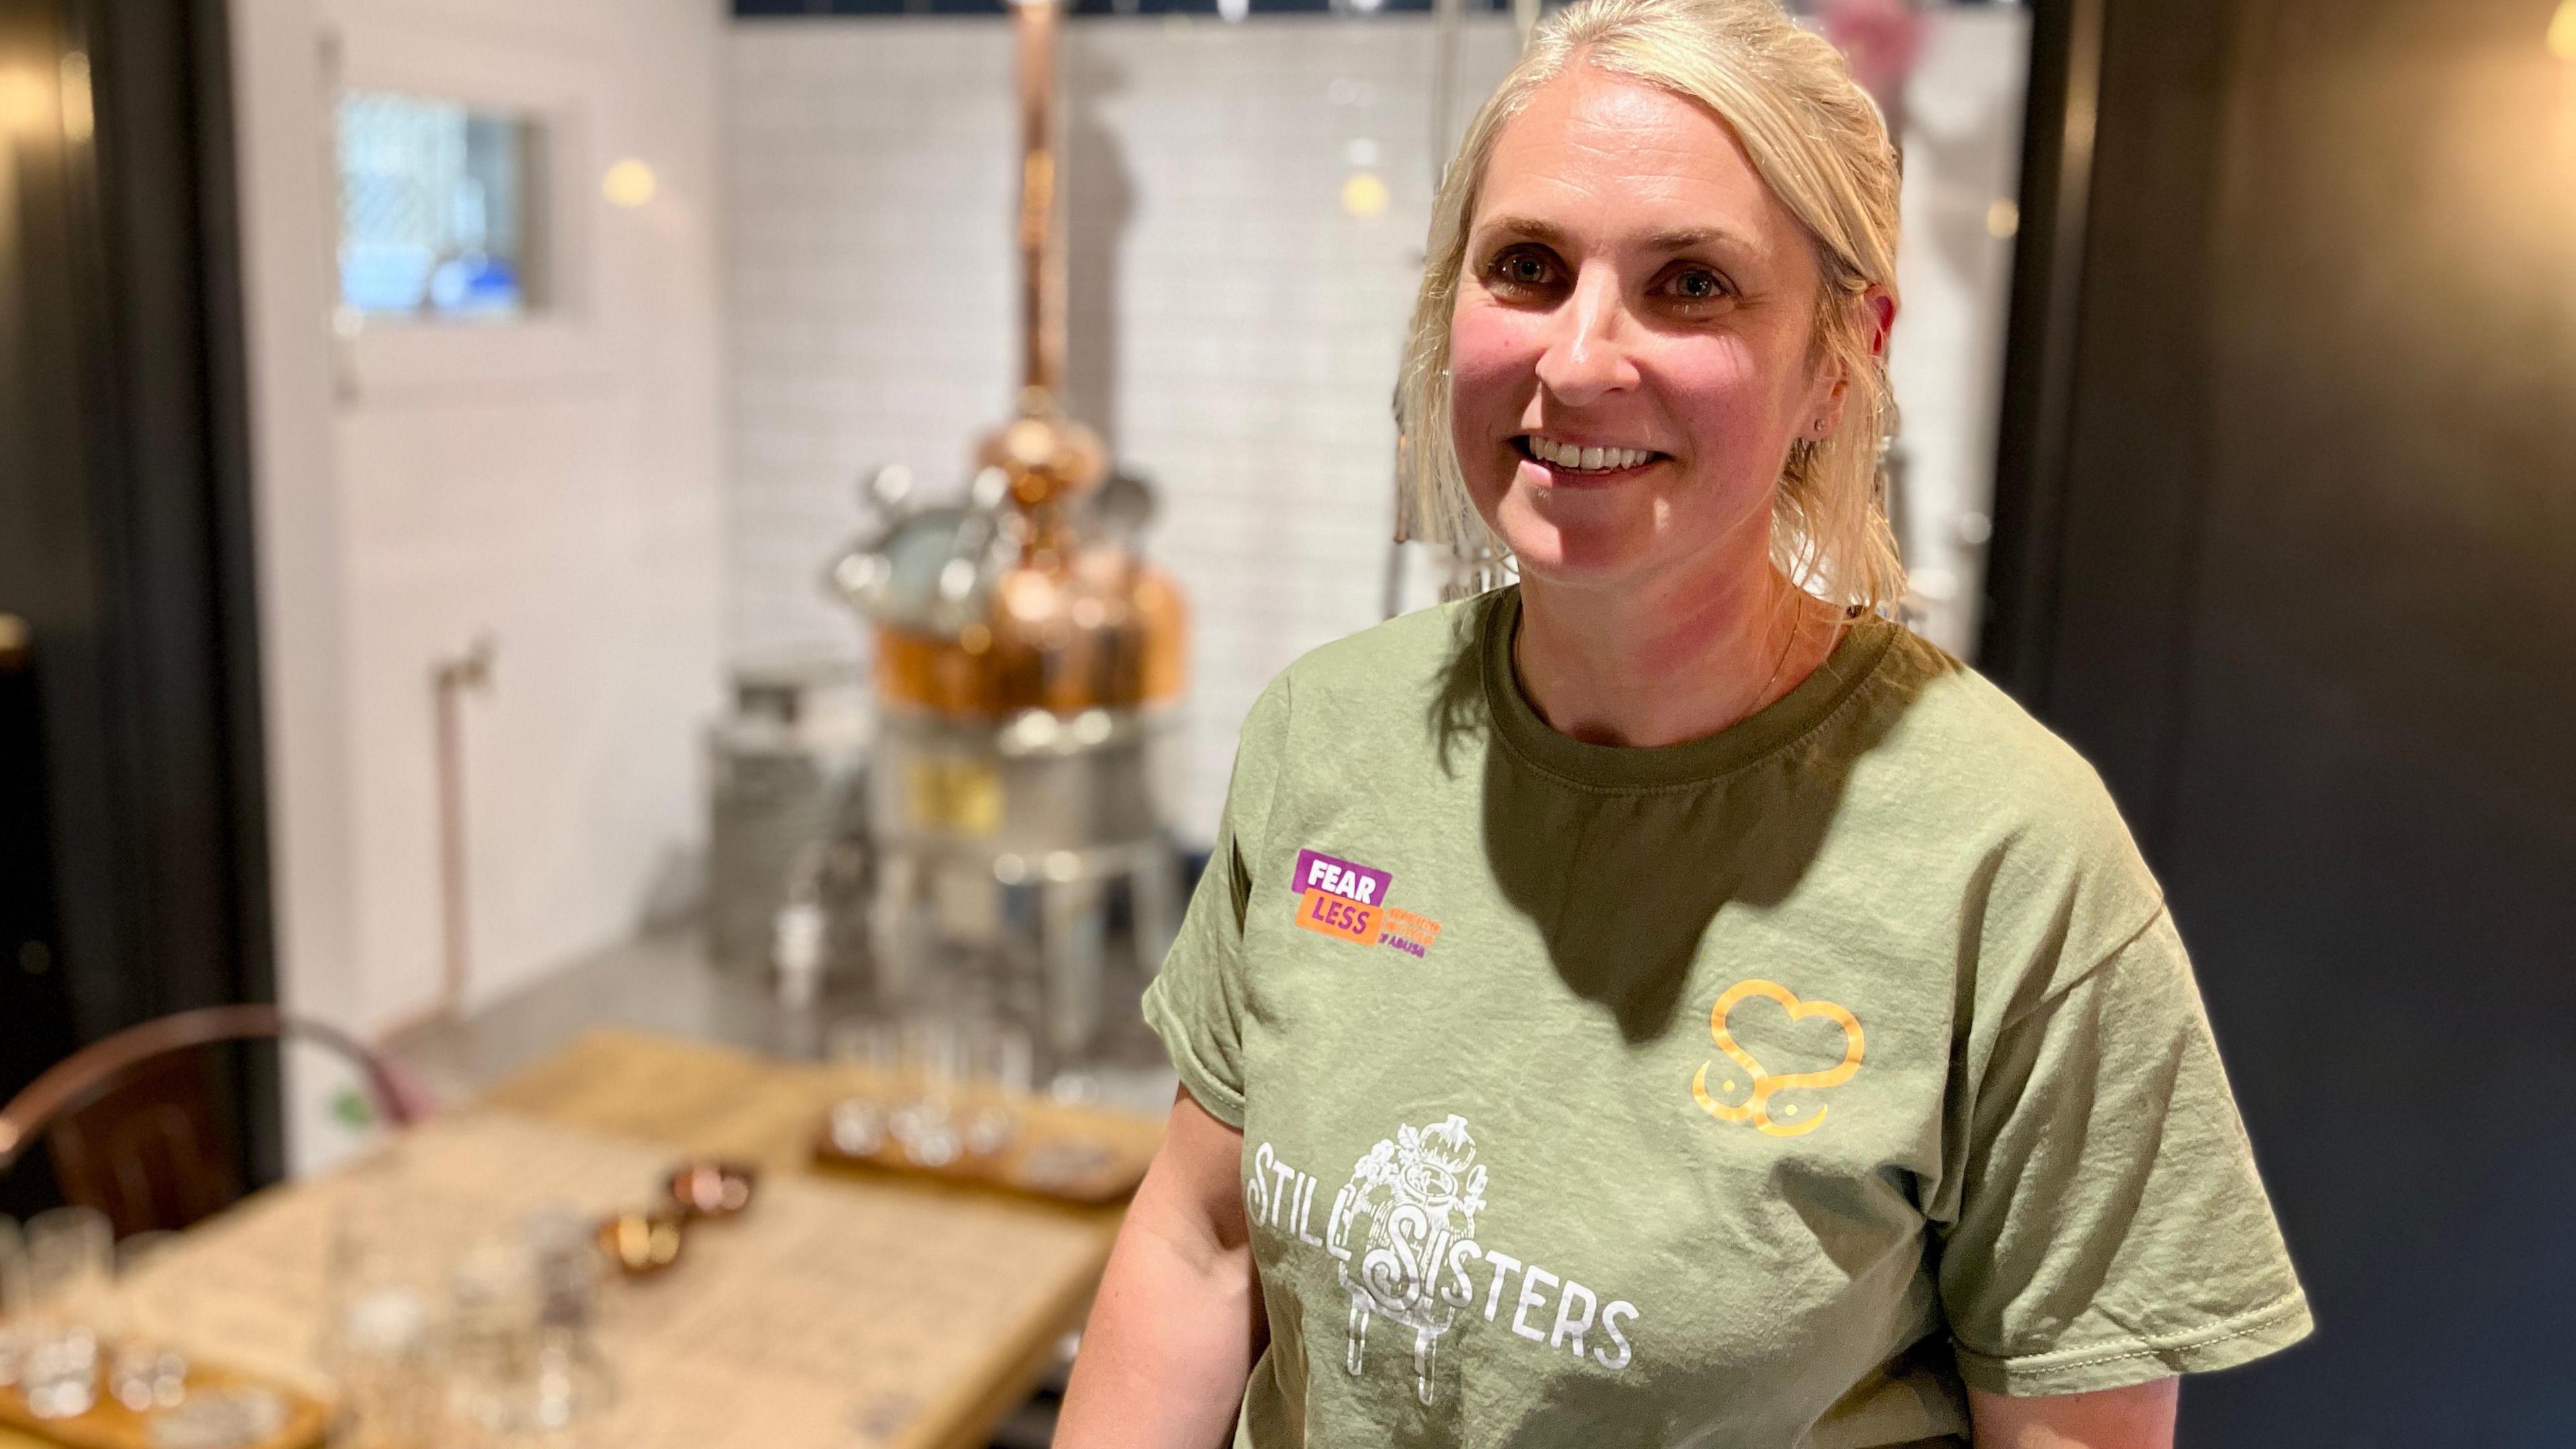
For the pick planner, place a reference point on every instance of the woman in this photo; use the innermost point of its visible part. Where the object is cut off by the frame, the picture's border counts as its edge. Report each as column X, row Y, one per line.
column 1664, row 1002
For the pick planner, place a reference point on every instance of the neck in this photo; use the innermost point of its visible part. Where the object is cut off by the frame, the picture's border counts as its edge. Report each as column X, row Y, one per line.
column 1657, row 666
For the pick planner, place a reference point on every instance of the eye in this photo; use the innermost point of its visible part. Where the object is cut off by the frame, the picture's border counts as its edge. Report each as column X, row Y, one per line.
column 1522, row 267
column 1698, row 284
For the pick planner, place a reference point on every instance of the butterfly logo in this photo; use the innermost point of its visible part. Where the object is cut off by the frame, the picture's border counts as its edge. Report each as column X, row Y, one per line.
column 1790, row 1120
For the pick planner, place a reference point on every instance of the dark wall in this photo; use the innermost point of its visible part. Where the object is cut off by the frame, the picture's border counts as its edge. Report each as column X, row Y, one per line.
column 2287, row 545
column 36, row 427
column 125, row 540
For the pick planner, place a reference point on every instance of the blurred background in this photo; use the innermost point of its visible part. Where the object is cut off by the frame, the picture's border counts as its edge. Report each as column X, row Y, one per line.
column 758, row 525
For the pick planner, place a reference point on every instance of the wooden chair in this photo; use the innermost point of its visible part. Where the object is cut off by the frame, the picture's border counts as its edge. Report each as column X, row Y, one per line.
column 132, row 1120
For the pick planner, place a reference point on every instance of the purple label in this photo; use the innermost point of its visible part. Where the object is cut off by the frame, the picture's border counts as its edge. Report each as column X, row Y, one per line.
column 1318, row 871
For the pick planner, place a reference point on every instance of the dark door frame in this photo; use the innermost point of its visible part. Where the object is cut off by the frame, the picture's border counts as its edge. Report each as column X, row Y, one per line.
column 2108, row 382
column 2062, row 108
column 129, row 553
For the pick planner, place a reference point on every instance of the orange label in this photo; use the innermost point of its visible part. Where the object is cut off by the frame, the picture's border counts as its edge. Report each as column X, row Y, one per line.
column 1420, row 930
column 1333, row 915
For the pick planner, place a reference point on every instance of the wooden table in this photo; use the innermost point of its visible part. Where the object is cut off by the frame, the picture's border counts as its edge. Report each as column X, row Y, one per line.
column 841, row 1312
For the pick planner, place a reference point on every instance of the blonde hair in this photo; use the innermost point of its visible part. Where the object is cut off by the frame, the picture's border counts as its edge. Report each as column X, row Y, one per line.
column 1818, row 142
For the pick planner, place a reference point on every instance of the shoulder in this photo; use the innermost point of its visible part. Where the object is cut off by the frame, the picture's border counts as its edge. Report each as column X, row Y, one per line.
column 1385, row 671
column 1958, row 748
column 1941, row 755
column 1408, row 651
column 1364, row 696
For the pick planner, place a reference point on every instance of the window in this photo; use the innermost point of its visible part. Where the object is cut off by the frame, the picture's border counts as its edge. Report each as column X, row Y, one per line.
column 439, row 209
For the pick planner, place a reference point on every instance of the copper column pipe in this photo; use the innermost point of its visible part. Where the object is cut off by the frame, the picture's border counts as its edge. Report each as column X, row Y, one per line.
column 1041, row 258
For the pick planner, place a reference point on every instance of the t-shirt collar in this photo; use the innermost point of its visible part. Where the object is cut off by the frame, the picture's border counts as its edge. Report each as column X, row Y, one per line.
column 1613, row 767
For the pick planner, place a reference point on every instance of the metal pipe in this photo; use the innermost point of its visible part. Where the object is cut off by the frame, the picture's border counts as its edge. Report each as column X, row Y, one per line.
column 1041, row 258
column 449, row 680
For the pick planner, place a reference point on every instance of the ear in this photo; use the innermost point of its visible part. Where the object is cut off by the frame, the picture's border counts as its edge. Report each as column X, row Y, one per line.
column 1875, row 310
column 1879, row 307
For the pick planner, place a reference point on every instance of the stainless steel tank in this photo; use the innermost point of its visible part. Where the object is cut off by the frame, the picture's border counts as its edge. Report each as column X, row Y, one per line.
column 1028, row 667
column 787, row 809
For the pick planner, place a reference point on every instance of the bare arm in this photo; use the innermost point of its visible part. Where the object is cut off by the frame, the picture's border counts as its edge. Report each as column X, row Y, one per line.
column 1173, row 1333
column 2138, row 1417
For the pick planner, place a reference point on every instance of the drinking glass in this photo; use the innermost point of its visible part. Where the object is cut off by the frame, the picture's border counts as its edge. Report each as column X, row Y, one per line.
column 926, row 1113
column 385, row 1269
column 13, row 1293
column 528, row 1369
column 999, row 1066
column 142, row 1373
column 910, row 1079
column 494, row 1310
column 868, row 1053
column 383, row 1363
column 70, row 1257
column 572, row 1384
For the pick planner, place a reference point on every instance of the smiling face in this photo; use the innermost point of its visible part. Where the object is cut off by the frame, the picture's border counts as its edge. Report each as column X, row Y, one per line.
column 1632, row 349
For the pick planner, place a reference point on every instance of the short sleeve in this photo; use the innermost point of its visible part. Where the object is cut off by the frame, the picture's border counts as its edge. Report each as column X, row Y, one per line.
column 1196, row 1002
column 2111, row 1228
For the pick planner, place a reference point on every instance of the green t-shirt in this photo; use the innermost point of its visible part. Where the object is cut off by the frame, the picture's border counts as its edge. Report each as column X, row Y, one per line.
column 1747, row 1093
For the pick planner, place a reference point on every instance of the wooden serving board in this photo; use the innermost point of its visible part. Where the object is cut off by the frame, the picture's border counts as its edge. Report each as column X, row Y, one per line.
column 714, row 1102
column 1065, row 1154
column 111, row 1425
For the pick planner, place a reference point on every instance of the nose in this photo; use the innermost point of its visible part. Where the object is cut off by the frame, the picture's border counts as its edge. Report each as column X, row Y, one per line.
column 1587, row 354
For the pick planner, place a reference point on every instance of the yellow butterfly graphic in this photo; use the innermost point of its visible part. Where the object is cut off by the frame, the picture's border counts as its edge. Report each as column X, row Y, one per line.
column 1757, row 1108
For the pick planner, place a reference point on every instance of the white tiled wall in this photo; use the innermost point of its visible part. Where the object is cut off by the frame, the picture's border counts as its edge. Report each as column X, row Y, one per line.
column 1235, row 330
column 555, row 483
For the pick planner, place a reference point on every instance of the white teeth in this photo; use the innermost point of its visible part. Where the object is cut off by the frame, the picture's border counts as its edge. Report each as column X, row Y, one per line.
column 1586, row 460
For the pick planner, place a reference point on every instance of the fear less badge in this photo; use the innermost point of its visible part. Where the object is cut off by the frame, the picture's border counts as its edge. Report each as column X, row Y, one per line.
column 1344, row 899
column 1338, row 898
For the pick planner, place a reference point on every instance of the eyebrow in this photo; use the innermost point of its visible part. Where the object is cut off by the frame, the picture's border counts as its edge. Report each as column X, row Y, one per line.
column 1680, row 239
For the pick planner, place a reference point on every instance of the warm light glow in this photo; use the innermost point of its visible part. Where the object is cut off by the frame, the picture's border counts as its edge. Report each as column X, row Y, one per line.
column 2003, row 218
column 77, row 120
column 1364, row 194
column 26, row 102
column 2562, row 31
column 629, row 183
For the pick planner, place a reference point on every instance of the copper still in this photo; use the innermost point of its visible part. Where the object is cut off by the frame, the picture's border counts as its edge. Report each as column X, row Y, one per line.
column 1028, row 662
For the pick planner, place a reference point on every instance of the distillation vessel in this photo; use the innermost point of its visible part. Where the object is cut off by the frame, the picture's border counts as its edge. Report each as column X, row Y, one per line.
column 1028, row 665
